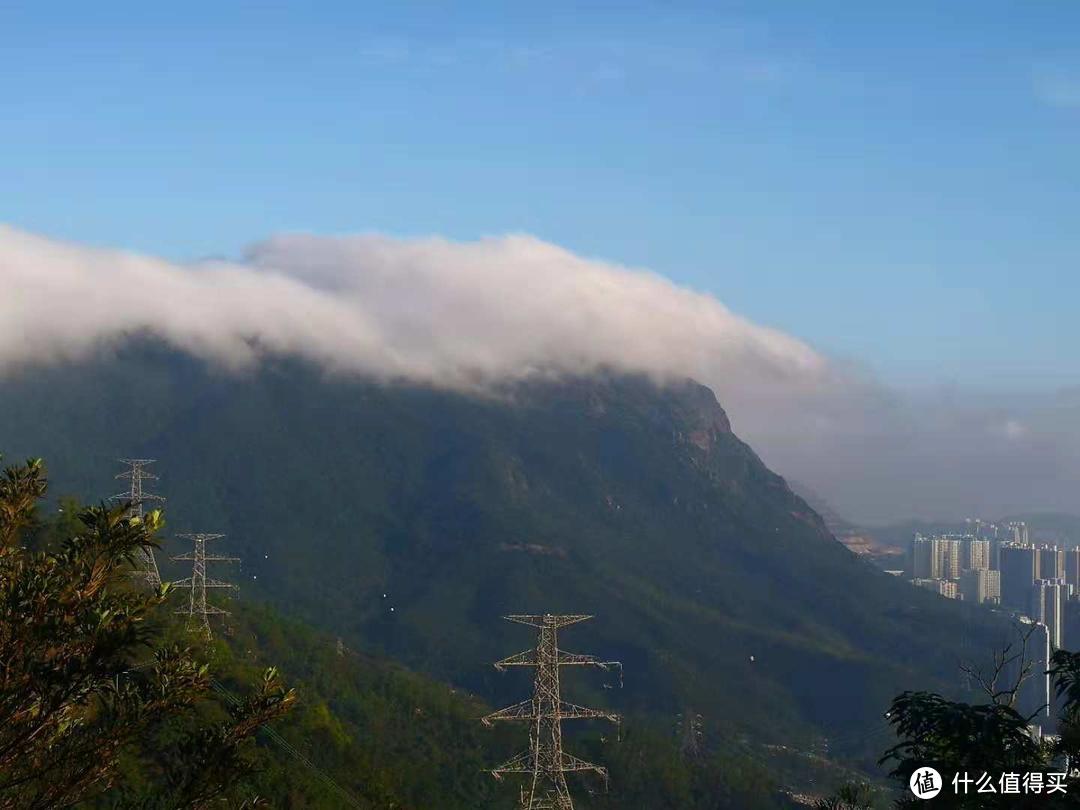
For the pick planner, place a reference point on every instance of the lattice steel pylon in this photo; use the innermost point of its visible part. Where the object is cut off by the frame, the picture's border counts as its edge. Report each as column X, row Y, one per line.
column 145, row 563
column 545, row 763
column 198, row 611
column 690, row 734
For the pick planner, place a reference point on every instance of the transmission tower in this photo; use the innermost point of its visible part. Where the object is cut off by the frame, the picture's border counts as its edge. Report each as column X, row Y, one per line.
column 145, row 564
column 688, row 730
column 198, row 611
column 545, row 763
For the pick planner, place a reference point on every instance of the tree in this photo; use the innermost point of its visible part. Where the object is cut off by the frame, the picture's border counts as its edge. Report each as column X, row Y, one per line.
column 1009, row 670
column 83, row 686
column 956, row 738
column 849, row 797
column 990, row 738
column 1065, row 670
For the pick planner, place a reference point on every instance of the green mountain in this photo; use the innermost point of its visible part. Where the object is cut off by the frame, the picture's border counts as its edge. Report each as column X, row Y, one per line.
column 366, row 732
column 407, row 520
column 369, row 733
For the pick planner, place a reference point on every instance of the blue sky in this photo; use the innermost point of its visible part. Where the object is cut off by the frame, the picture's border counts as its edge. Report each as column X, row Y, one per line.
column 897, row 183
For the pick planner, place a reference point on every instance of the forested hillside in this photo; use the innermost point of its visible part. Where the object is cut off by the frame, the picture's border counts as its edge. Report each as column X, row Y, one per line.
column 408, row 520
column 391, row 738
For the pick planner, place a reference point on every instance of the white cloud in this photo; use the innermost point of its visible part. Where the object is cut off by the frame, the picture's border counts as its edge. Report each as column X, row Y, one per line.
column 1014, row 429
column 427, row 310
column 468, row 315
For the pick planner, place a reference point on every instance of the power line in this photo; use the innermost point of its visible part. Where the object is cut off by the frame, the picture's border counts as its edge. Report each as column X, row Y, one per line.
column 288, row 748
column 278, row 740
column 545, row 763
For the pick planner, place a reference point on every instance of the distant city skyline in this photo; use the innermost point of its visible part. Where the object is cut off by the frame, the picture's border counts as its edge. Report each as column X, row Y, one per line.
column 1035, row 584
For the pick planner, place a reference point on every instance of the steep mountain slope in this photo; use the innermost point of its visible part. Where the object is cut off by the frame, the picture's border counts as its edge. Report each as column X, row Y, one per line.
column 857, row 539
column 407, row 520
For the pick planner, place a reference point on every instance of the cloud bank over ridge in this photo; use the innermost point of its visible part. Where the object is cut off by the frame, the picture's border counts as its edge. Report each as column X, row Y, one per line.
column 458, row 315
column 466, row 315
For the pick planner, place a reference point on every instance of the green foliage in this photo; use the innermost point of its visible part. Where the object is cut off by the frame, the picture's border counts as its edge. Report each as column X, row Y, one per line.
column 856, row 796
column 21, row 487
column 647, row 770
column 608, row 496
column 392, row 737
column 959, row 737
column 73, row 701
column 1065, row 670
column 388, row 736
column 992, row 738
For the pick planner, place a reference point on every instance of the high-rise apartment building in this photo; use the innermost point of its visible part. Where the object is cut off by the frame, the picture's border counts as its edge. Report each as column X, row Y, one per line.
column 1051, row 562
column 943, row 587
column 980, row 585
column 975, row 555
column 1019, row 570
column 993, row 586
column 1048, row 597
column 936, row 557
column 948, row 556
column 1071, row 622
column 1020, row 533
column 922, row 557
column 1072, row 567
column 949, row 550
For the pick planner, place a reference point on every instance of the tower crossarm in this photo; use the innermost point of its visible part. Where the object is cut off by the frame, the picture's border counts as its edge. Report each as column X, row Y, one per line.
column 136, row 464
column 547, row 620
column 522, row 763
column 146, row 496
column 568, row 659
column 209, row 610
column 572, row 763
column 522, row 659
column 519, row 711
column 565, row 659
column 571, row 711
column 552, row 801
column 191, row 556
column 217, row 583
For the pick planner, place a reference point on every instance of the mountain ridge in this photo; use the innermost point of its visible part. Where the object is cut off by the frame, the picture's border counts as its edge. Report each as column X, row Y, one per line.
column 408, row 519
